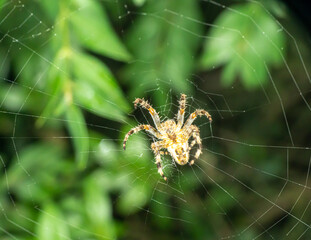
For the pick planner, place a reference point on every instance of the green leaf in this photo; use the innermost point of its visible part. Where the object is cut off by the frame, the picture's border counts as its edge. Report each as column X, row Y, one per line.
column 54, row 107
column 215, row 54
column 242, row 47
column 55, row 83
column 50, row 7
column 165, row 43
column 12, row 96
column 92, row 28
column 40, row 163
column 2, row 2
column 98, row 208
column 139, row 3
column 133, row 198
column 253, row 77
column 78, row 131
column 27, row 65
column 96, row 89
column 51, row 224
column 277, row 8
column 229, row 72
column 107, row 152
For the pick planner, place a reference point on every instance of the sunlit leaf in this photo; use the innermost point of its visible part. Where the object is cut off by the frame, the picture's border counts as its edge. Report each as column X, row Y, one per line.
column 133, row 199
column 78, row 131
column 2, row 2
column 12, row 97
column 53, row 108
column 97, row 202
column 96, row 88
column 139, row 3
column 51, row 224
column 107, row 152
column 171, row 61
column 98, row 208
column 277, row 8
column 242, row 45
column 56, row 81
column 94, row 31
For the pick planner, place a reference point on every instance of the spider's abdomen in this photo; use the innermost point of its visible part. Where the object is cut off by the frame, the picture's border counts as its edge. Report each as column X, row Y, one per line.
column 179, row 153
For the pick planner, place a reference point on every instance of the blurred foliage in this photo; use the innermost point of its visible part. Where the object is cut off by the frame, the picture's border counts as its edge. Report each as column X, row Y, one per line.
column 70, row 71
column 246, row 40
column 166, row 32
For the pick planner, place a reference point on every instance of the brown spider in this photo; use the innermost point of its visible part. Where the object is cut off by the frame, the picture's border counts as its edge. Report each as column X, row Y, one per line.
column 173, row 137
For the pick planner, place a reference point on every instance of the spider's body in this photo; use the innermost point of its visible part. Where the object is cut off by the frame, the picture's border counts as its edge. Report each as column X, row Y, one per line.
column 175, row 141
column 173, row 136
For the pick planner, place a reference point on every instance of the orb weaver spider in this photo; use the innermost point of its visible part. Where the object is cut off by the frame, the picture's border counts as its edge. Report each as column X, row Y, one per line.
column 172, row 136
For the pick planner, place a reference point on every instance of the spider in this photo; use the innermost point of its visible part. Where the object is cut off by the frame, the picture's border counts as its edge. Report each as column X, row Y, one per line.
column 172, row 136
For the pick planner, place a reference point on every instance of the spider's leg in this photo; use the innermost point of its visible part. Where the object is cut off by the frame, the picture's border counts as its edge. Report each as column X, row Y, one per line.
column 193, row 130
column 156, row 149
column 164, row 153
column 192, row 143
column 148, row 128
column 197, row 139
column 181, row 111
column 159, row 165
column 193, row 116
column 152, row 111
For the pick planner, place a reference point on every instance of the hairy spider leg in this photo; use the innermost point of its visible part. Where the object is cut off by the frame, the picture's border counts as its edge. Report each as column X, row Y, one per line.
column 193, row 116
column 156, row 149
column 164, row 153
column 193, row 142
column 152, row 111
column 159, row 165
column 193, row 130
column 196, row 135
column 181, row 111
column 148, row 128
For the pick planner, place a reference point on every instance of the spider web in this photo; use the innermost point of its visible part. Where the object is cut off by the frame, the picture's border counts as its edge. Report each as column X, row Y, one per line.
column 245, row 185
